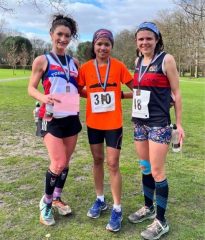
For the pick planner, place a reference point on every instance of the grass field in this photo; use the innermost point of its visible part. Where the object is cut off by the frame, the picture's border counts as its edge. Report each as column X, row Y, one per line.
column 8, row 73
column 23, row 162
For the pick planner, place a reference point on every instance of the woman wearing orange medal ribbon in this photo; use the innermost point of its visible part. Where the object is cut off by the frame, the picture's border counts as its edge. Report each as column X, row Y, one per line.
column 59, row 122
column 155, row 78
column 102, row 76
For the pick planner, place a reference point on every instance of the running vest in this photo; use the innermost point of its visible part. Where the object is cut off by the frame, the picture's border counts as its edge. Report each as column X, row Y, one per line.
column 54, row 80
column 155, row 81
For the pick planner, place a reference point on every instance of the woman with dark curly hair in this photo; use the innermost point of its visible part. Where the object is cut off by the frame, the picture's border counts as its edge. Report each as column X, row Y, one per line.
column 59, row 122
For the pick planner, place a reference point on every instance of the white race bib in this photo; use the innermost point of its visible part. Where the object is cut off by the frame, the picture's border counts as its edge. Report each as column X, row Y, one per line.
column 140, row 104
column 102, row 101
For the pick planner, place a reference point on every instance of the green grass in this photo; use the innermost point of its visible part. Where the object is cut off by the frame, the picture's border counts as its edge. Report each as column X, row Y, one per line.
column 8, row 73
column 23, row 162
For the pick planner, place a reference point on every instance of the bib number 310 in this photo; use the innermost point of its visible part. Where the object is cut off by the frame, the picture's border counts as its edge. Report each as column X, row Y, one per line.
column 102, row 101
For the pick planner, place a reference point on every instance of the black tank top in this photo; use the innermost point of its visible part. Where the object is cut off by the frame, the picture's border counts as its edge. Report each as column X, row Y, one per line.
column 155, row 81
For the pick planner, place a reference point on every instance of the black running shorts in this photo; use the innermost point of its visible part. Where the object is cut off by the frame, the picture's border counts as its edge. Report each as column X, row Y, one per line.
column 59, row 127
column 113, row 138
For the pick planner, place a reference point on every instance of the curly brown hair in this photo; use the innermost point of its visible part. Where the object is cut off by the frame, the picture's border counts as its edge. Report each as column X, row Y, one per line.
column 67, row 21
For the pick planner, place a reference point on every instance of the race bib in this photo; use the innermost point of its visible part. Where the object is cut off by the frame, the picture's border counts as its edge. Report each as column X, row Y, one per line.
column 140, row 103
column 102, row 101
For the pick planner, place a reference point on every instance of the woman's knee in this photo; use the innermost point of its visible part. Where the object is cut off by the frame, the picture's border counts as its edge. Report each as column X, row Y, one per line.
column 113, row 166
column 145, row 166
column 98, row 159
column 158, row 174
column 57, row 168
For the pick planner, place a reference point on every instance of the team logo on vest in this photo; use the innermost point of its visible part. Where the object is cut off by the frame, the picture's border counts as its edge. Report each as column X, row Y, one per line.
column 55, row 74
column 55, row 67
column 153, row 68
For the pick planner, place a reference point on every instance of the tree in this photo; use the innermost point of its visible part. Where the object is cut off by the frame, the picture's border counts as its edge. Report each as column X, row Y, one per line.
column 24, row 56
column 12, row 56
column 172, row 25
column 4, row 6
column 124, row 48
column 192, row 7
column 39, row 47
column 2, row 38
column 54, row 4
column 14, row 46
column 195, row 18
column 184, row 35
column 18, row 42
column 84, row 51
column 2, row 25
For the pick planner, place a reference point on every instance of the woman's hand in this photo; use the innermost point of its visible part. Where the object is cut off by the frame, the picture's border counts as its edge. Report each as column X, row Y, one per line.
column 181, row 134
column 49, row 99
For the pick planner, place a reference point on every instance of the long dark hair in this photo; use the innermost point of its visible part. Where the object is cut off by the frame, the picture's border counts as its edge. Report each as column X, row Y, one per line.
column 92, row 52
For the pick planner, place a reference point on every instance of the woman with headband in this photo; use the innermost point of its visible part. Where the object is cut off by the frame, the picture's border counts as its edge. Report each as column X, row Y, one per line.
column 102, row 77
column 155, row 78
column 59, row 122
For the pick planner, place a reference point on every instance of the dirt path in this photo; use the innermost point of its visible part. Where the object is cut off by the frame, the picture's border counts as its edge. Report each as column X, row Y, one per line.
column 13, row 79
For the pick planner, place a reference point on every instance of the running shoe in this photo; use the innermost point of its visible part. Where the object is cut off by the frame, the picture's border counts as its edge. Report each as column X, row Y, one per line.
column 155, row 230
column 46, row 215
column 142, row 214
column 97, row 208
column 114, row 224
column 62, row 207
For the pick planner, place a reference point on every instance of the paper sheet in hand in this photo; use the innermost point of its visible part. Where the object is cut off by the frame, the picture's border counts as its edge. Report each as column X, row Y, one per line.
column 69, row 102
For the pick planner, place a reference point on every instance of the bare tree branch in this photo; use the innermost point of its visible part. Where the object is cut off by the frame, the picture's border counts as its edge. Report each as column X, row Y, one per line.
column 4, row 6
column 192, row 7
column 58, row 5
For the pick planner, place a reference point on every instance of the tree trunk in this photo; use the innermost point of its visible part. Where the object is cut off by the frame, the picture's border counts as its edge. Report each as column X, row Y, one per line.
column 191, row 71
column 196, row 74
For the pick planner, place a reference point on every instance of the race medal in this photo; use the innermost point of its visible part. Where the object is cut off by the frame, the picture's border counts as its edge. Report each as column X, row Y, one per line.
column 67, row 88
column 138, row 91
column 103, row 98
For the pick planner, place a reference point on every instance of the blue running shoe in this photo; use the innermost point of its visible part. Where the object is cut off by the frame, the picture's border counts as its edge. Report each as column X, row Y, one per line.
column 46, row 215
column 97, row 208
column 114, row 224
